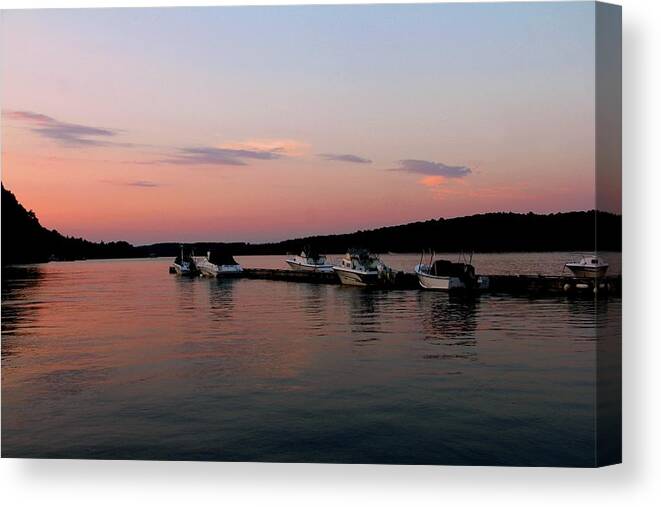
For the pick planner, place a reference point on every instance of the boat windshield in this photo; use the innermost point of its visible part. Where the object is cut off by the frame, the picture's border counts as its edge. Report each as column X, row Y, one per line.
column 357, row 259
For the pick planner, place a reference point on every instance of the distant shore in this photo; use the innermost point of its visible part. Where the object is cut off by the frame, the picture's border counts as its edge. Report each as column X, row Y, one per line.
column 25, row 240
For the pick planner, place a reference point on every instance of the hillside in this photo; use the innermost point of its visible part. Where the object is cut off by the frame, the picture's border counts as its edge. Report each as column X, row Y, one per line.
column 491, row 232
column 25, row 240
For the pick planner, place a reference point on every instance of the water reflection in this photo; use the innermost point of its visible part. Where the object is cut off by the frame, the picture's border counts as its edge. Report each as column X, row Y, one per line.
column 314, row 308
column 221, row 299
column 449, row 317
column 364, row 312
column 19, row 304
column 186, row 293
column 314, row 300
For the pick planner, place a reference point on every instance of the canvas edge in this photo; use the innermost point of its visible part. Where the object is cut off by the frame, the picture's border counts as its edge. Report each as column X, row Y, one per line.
column 608, row 196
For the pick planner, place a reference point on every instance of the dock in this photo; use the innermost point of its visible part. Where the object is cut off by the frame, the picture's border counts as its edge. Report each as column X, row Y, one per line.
column 540, row 285
column 524, row 285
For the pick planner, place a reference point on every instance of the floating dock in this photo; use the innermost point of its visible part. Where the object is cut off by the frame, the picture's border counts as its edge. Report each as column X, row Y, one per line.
column 540, row 285
column 531, row 285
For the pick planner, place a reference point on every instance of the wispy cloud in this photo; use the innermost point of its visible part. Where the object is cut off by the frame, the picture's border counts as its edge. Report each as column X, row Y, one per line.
column 64, row 133
column 285, row 147
column 135, row 183
column 143, row 184
column 432, row 168
column 209, row 155
column 234, row 153
column 345, row 157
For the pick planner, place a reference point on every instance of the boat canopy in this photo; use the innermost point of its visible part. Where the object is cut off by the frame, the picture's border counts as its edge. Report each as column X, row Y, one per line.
column 448, row 268
column 309, row 252
column 221, row 258
column 179, row 260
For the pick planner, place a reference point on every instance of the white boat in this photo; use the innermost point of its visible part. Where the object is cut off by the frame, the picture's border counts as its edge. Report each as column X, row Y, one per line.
column 216, row 264
column 184, row 265
column 446, row 275
column 359, row 267
column 309, row 260
column 590, row 266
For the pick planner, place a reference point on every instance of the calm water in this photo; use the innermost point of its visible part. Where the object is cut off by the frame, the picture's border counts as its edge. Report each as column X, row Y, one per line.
column 119, row 359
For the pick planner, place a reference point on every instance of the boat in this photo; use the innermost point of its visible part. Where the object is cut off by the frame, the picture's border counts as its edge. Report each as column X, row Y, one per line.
column 359, row 267
column 310, row 260
column 218, row 264
column 446, row 275
column 589, row 266
column 184, row 265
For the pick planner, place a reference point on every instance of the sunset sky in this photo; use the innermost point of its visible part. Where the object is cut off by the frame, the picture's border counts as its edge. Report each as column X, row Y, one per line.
column 257, row 124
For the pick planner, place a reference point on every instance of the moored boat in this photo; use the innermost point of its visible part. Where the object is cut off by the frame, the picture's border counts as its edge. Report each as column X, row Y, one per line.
column 184, row 265
column 446, row 275
column 310, row 260
column 218, row 264
column 589, row 266
column 359, row 267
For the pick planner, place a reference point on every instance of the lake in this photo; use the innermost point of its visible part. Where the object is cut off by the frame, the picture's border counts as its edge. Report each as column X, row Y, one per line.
column 120, row 360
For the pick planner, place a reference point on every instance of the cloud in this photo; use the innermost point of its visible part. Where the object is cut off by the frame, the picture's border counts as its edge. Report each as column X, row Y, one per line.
column 432, row 181
column 209, row 155
column 345, row 157
column 135, row 183
column 285, row 147
column 432, row 168
column 143, row 184
column 67, row 134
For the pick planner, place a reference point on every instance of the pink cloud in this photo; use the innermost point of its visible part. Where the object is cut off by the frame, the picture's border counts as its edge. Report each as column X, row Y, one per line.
column 283, row 147
column 432, row 181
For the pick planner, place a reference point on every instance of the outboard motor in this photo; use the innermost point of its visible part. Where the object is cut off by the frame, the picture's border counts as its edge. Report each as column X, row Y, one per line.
column 469, row 277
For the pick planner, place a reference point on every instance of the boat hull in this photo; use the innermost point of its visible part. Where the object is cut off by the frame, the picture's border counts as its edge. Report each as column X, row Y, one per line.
column 212, row 270
column 357, row 278
column 442, row 283
column 183, row 270
column 587, row 271
column 310, row 268
column 229, row 271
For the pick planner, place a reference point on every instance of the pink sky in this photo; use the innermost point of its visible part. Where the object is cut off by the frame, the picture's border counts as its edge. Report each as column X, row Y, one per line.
column 163, row 131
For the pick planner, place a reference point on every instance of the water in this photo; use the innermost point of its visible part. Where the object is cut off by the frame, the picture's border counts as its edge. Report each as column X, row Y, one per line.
column 119, row 359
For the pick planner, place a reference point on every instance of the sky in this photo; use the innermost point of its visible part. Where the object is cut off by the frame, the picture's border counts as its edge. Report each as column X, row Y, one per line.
column 266, row 123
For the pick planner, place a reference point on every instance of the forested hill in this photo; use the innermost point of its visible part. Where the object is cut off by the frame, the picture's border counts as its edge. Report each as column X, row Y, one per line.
column 25, row 240
column 490, row 232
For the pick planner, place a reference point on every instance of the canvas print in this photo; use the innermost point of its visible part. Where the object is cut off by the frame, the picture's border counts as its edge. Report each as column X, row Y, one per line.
column 383, row 234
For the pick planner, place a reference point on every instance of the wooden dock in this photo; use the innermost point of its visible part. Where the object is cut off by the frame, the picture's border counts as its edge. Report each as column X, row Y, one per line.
column 530, row 285
column 540, row 285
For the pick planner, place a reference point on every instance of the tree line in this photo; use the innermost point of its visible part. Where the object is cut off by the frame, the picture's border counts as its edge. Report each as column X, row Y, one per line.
column 25, row 240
